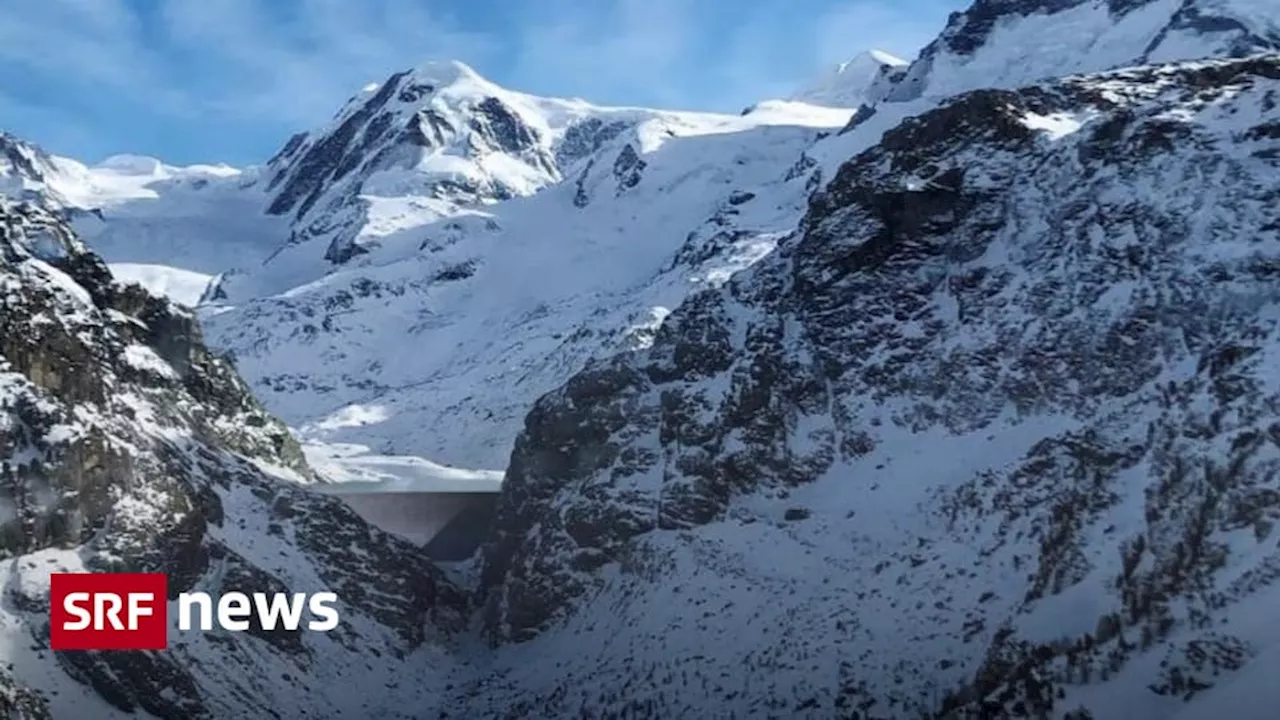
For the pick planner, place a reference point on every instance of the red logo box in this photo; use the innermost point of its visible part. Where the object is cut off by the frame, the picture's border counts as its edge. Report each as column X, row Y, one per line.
column 108, row 611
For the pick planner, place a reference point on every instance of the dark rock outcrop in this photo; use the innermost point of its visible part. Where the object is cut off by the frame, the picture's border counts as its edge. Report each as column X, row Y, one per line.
column 332, row 156
column 628, row 168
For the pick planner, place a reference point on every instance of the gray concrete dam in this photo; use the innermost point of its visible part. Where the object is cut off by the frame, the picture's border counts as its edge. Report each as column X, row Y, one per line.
column 449, row 525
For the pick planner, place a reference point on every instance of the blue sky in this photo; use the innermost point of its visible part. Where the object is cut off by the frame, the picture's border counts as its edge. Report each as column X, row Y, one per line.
column 229, row 80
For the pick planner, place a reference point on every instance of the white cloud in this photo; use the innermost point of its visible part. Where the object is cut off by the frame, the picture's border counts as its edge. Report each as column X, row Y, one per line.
column 87, row 41
column 231, row 57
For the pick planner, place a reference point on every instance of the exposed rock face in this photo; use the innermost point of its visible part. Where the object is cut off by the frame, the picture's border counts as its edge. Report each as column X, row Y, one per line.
column 126, row 446
column 628, row 168
column 331, row 156
column 1075, row 287
column 584, row 138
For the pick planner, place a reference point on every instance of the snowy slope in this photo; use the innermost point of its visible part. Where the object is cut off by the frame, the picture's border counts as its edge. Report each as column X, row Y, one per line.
column 167, row 226
column 196, row 219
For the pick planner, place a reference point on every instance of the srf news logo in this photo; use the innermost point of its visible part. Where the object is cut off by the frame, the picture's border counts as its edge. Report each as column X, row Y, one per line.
column 129, row 611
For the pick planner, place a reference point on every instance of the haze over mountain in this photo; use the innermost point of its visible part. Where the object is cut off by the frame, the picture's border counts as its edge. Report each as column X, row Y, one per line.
column 942, row 388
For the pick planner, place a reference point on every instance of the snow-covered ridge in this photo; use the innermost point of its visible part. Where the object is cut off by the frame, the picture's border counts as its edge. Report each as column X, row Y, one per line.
column 64, row 182
column 126, row 165
column 854, row 82
column 170, row 228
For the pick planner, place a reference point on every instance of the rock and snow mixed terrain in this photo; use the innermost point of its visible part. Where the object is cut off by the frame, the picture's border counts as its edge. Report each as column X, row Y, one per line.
column 127, row 446
column 959, row 400
column 1009, row 438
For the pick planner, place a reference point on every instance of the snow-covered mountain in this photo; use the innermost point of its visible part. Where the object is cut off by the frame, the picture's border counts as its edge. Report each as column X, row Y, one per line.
column 435, row 284
column 956, row 401
column 497, row 240
column 445, row 250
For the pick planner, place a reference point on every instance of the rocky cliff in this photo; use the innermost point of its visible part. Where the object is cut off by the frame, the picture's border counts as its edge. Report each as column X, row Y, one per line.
column 125, row 445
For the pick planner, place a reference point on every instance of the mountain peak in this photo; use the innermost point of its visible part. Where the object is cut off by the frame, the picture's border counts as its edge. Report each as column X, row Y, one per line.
column 447, row 72
column 849, row 84
column 445, row 79
column 414, row 87
column 22, row 157
column 439, row 131
column 450, row 77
